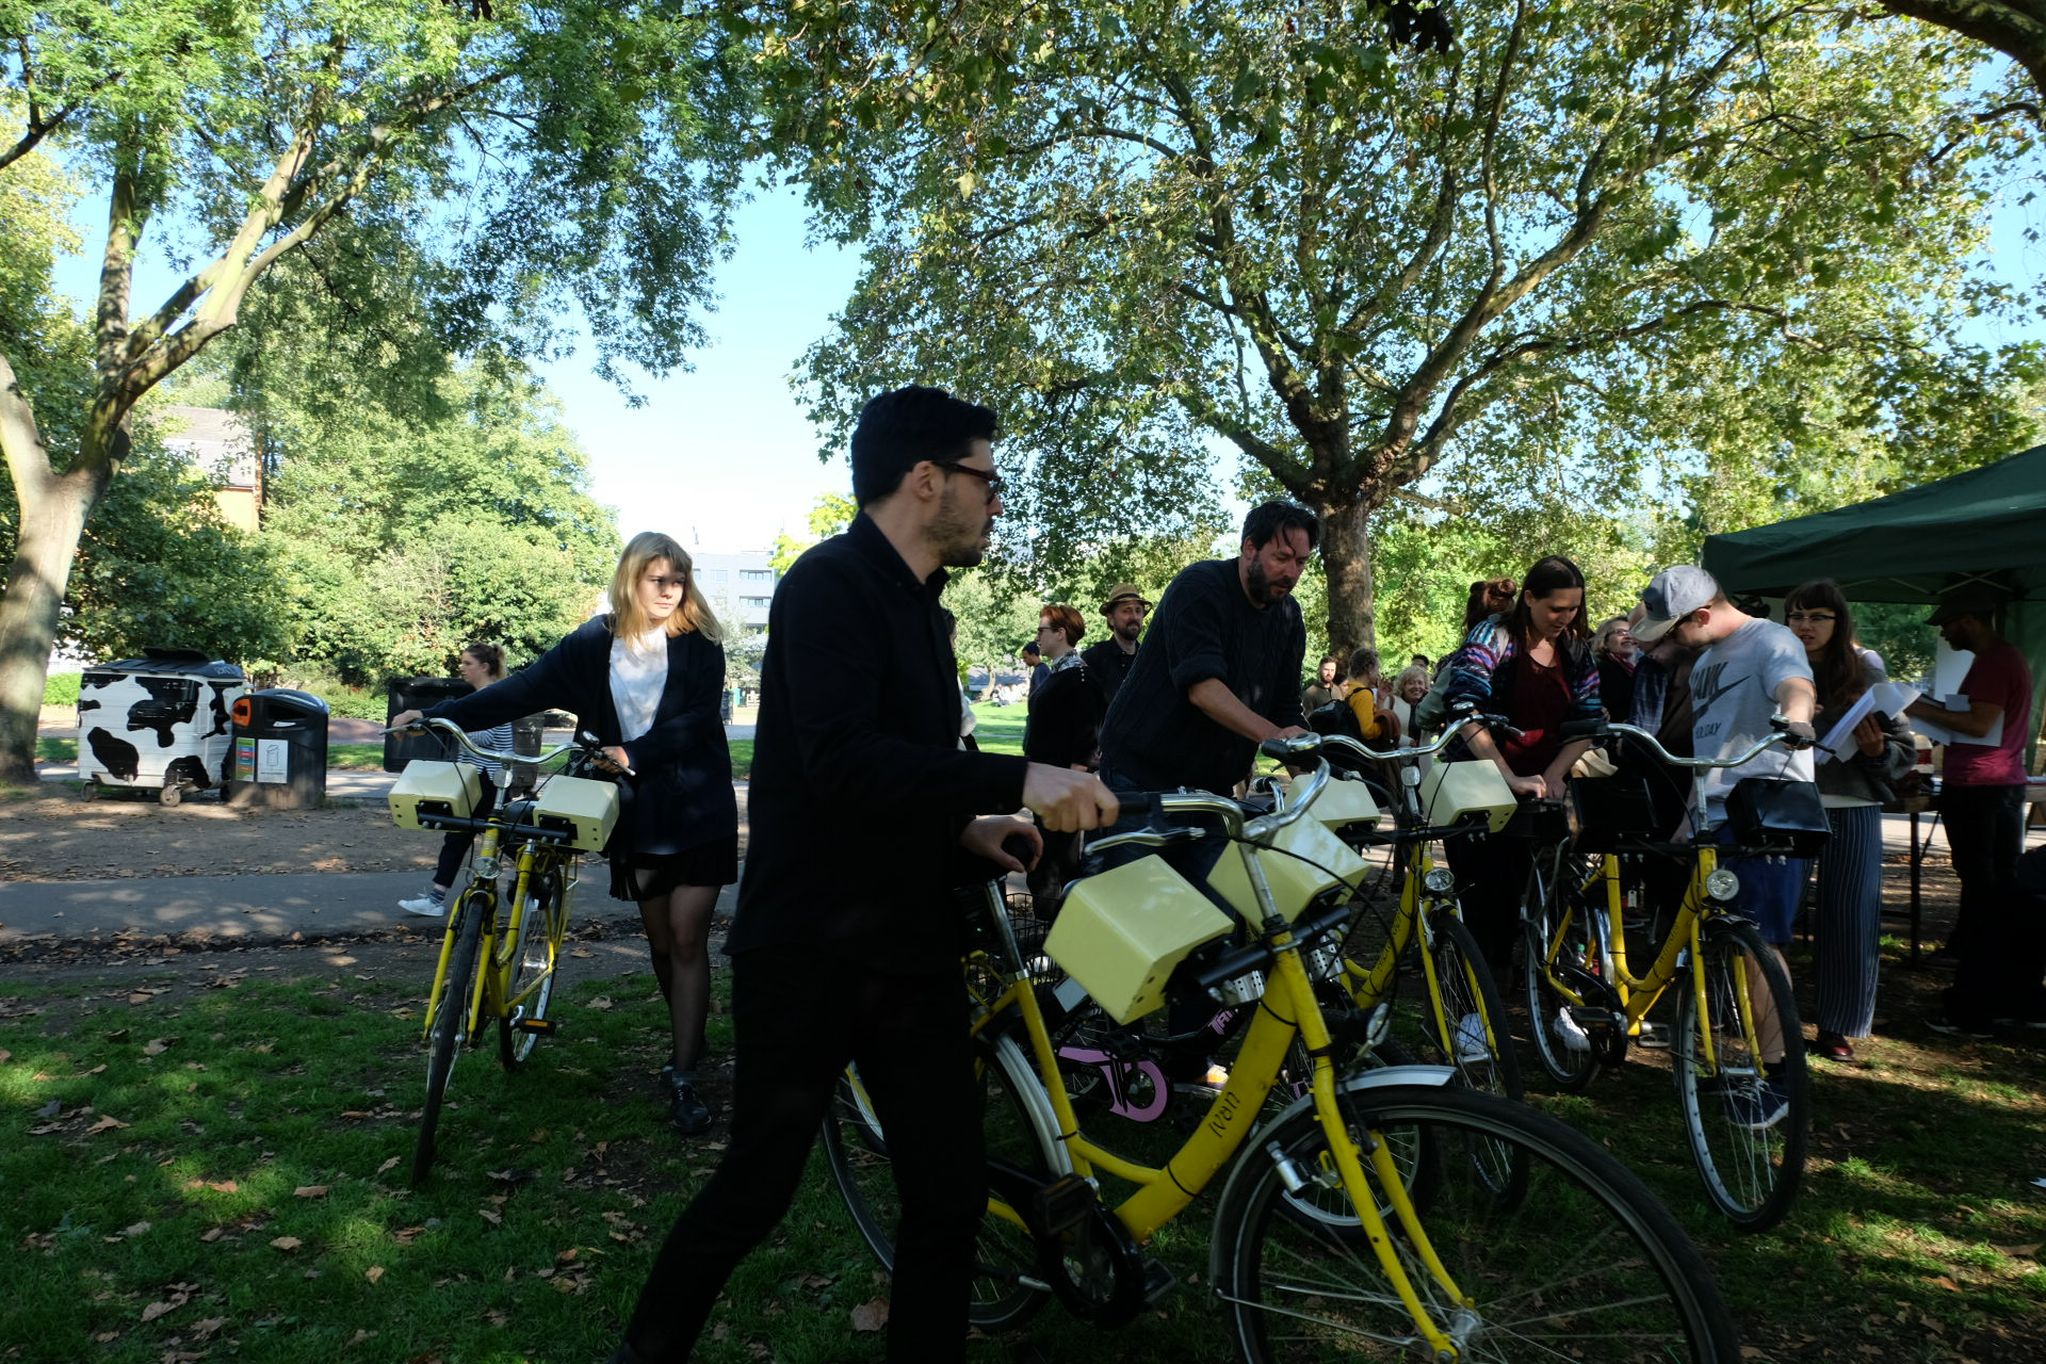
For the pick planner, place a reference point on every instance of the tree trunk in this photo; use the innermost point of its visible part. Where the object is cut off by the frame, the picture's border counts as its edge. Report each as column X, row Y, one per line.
column 50, row 525
column 1346, row 562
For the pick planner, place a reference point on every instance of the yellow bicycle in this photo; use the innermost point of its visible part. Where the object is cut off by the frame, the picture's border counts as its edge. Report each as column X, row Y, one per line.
column 1353, row 1224
column 499, row 953
column 1736, row 1042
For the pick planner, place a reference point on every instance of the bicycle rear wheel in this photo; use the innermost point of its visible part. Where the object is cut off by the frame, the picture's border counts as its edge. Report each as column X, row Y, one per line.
column 1558, row 946
column 1587, row 1267
column 1747, row 1120
column 856, row 1150
column 530, row 960
column 449, row 1027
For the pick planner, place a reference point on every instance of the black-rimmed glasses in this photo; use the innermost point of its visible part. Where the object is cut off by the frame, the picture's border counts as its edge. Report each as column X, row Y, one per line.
column 989, row 477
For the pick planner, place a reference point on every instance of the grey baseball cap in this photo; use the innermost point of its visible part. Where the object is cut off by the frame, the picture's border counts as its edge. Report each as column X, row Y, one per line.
column 1674, row 594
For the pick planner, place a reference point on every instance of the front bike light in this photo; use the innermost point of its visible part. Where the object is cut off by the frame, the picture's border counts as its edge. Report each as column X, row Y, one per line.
column 1722, row 885
column 1439, row 881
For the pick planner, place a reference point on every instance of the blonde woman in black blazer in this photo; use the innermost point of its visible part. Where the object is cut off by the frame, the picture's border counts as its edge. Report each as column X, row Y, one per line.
column 645, row 679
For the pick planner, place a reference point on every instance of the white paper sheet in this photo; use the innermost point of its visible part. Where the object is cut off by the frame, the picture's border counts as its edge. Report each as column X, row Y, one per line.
column 1887, row 698
column 1949, row 670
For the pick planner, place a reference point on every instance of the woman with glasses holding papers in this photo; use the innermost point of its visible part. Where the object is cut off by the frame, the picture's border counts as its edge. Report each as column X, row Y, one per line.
column 1854, row 782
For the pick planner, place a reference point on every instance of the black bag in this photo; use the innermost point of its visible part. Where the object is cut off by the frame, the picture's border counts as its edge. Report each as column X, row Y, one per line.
column 1608, row 813
column 1785, row 818
column 1335, row 717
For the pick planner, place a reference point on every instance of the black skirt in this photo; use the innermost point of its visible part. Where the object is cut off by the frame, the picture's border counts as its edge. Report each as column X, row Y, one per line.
column 646, row 876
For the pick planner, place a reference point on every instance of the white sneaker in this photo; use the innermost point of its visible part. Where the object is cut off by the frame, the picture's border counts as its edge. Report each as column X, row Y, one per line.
column 1570, row 1032
column 425, row 906
column 1470, row 1040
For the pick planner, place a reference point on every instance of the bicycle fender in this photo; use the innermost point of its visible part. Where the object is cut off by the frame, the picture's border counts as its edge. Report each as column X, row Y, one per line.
column 1434, row 1077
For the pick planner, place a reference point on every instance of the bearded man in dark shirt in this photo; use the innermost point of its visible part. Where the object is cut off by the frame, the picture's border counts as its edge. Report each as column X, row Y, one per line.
column 1219, row 672
column 847, row 945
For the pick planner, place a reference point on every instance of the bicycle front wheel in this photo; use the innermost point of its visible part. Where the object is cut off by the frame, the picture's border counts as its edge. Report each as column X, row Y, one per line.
column 1003, row 1292
column 530, row 958
column 1747, row 1116
column 1587, row 1266
column 1559, row 949
column 449, row 1027
column 1470, row 1031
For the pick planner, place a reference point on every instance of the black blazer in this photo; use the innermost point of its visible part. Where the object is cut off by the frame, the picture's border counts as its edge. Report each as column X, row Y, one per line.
column 682, row 796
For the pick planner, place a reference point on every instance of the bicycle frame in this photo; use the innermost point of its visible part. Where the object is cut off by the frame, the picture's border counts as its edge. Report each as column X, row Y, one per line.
column 1369, row 1177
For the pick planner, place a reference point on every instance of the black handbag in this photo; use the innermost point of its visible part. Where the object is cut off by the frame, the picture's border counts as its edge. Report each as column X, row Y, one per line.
column 1608, row 813
column 1785, row 818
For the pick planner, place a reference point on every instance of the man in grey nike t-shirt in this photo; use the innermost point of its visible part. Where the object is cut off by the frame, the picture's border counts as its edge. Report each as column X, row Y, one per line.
column 1748, row 669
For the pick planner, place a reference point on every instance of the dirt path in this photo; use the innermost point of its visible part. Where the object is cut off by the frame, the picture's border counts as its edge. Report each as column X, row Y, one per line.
column 66, row 838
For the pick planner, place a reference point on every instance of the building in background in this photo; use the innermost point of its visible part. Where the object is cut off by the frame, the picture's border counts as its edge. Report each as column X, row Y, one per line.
column 739, row 587
column 219, row 444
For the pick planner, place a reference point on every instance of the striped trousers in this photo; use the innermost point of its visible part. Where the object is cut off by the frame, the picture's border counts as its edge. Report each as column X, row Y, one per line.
column 1848, row 921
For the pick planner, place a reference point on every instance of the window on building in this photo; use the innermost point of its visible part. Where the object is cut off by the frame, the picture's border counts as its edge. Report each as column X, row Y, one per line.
column 756, row 575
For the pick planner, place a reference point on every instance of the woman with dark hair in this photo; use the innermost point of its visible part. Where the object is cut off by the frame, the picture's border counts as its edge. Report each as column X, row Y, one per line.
column 1534, row 666
column 645, row 678
column 1853, row 790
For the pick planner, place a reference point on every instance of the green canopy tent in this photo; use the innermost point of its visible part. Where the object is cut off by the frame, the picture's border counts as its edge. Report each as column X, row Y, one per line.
column 1985, row 526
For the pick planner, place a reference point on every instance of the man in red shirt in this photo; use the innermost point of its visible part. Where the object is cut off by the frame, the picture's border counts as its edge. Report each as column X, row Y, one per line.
column 1982, row 799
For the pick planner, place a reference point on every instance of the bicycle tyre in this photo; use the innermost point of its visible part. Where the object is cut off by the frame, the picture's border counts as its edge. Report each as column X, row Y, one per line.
column 1544, row 908
column 1750, row 1174
column 1467, row 987
column 530, row 957
column 1589, row 1266
column 449, row 1027
column 856, row 1152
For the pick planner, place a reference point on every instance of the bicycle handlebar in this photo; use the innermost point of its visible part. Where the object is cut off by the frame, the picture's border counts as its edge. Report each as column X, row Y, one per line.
column 1408, row 755
column 1595, row 729
column 583, row 743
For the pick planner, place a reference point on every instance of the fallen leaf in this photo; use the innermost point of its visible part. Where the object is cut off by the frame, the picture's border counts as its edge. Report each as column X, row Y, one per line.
column 107, row 1337
column 5, row 1056
column 1942, row 1281
column 287, row 1244
column 212, row 1233
column 202, row 1329
column 388, row 1166
column 217, row 1185
column 107, row 1123
column 871, row 1315
column 310, row 1191
column 373, row 1273
column 360, row 1336
column 157, row 1309
column 600, row 1002
column 492, row 1216
column 135, row 1229
column 155, row 1046
column 140, row 997
column 2024, row 1252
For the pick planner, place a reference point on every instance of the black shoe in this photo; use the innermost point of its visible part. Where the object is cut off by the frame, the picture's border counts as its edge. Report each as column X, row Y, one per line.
column 1833, row 1046
column 667, row 1075
column 690, row 1114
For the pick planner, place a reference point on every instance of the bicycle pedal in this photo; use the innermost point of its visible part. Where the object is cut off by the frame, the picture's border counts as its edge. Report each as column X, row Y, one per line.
column 545, row 1027
column 1064, row 1204
column 1158, row 1281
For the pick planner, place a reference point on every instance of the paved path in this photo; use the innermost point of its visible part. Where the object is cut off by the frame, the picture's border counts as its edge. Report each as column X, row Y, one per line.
column 247, row 908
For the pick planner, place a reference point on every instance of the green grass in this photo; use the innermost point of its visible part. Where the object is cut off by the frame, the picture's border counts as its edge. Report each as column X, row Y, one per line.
column 56, row 750
column 999, row 729
column 61, row 689
column 1916, row 1238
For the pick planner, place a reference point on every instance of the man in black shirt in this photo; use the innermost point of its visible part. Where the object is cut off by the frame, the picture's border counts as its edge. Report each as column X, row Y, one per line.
column 1108, row 663
column 1220, row 672
column 846, row 946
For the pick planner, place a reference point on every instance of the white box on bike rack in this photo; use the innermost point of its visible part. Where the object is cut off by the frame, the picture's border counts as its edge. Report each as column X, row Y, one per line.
column 585, row 809
column 1451, row 791
column 429, row 787
column 1120, row 933
column 1345, row 802
column 1304, row 863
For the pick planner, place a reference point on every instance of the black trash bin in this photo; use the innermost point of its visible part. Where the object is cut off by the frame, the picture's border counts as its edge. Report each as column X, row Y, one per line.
column 279, row 754
column 419, row 693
